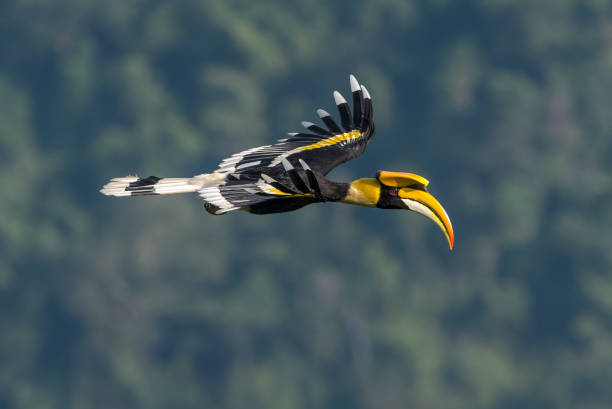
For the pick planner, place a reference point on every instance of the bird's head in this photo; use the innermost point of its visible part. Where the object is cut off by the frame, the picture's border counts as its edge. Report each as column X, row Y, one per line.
column 397, row 190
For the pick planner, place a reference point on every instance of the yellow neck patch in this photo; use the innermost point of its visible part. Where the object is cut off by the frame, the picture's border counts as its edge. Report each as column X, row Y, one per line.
column 363, row 192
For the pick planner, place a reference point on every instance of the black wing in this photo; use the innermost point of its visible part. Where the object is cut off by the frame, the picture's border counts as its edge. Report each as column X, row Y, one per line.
column 259, row 192
column 323, row 148
column 258, row 175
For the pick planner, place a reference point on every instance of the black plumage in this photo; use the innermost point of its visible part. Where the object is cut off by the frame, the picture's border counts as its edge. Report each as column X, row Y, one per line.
column 321, row 149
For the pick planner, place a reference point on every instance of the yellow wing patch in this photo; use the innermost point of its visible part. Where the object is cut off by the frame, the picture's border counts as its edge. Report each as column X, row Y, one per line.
column 277, row 192
column 332, row 140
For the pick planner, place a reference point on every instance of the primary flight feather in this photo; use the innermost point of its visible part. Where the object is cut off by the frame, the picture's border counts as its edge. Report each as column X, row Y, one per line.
column 291, row 173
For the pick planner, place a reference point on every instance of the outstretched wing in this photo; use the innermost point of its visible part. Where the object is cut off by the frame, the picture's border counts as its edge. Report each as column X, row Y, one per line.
column 259, row 179
column 246, row 191
column 323, row 148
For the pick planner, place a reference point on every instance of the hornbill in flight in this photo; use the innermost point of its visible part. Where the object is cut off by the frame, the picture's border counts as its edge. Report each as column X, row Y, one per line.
column 291, row 173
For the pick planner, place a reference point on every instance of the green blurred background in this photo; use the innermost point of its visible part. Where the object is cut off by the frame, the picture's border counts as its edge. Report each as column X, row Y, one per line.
column 153, row 303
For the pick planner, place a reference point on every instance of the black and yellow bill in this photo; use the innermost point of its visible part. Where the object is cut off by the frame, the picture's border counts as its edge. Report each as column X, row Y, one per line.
column 412, row 191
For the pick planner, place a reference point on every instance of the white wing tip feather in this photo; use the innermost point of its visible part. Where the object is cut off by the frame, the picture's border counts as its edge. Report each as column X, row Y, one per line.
column 338, row 98
column 366, row 94
column 267, row 178
column 304, row 164
column 354, row 84
column 286, row 164
column 322, row 113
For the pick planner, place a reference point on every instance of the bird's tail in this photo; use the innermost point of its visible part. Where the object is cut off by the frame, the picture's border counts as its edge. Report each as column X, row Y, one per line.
column 152, row 185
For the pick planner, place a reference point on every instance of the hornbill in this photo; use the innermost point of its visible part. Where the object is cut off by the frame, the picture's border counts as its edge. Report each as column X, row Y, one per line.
column 291, row 173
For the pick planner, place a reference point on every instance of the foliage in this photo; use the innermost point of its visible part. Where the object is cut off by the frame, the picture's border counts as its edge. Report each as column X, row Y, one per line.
column 153, row 303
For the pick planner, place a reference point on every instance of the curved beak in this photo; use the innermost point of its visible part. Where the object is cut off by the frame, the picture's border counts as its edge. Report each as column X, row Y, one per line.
column 422, row 202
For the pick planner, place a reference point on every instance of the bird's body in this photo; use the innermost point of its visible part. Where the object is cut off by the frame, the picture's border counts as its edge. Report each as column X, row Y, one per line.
column 291, row 173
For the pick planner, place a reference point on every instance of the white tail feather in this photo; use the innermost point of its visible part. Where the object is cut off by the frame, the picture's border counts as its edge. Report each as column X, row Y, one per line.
column 135, row 186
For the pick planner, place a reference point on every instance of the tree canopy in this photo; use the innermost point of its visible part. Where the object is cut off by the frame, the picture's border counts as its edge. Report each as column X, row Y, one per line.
column 152, row 303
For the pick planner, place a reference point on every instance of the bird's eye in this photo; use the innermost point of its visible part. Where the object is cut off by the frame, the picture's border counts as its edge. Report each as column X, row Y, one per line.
column 394, row 192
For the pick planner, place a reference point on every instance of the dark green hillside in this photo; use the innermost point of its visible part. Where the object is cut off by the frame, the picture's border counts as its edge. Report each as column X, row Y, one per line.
column 150, row 302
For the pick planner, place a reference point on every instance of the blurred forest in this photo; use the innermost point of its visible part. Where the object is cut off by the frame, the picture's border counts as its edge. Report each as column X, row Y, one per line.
column 504, row 105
